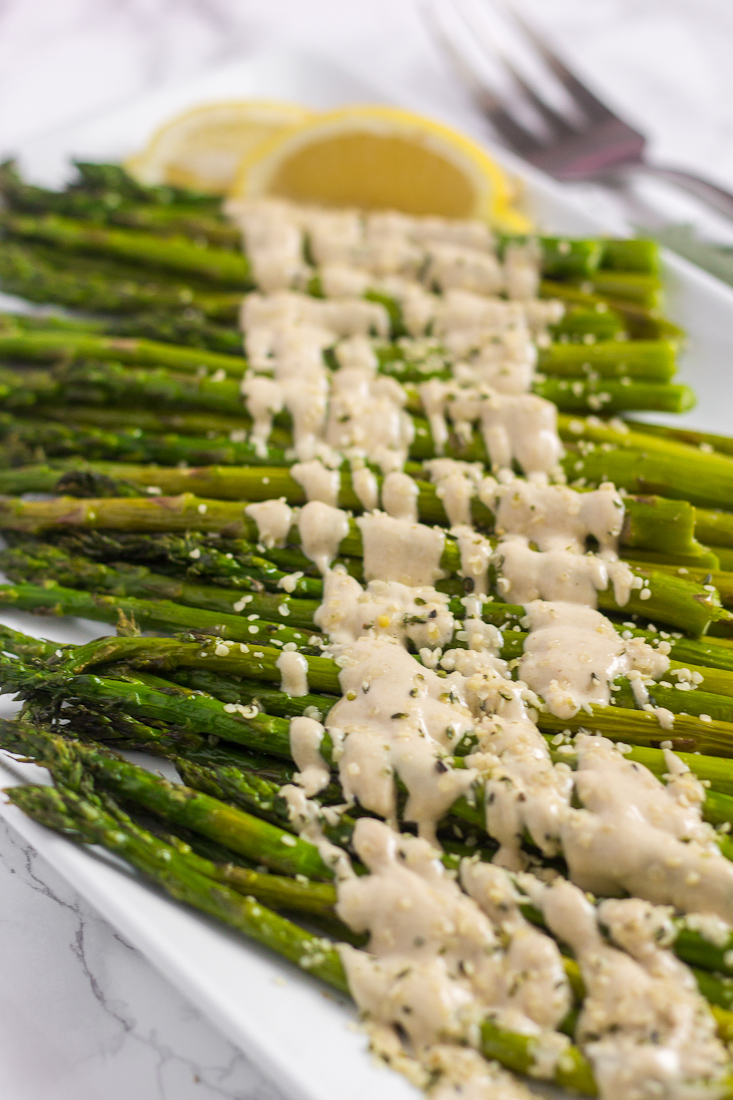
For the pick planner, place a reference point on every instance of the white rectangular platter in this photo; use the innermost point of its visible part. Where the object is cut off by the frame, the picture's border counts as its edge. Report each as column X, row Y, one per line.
column 301, row 1035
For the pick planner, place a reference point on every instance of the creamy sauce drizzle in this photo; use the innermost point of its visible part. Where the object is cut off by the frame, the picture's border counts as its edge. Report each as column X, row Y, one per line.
column 399, row 496
column 418, row 614
column 322, row 528
column 398, row 719
column 519, row 429
column 399, row 550
column 446, row 953
column 293, row 669
column 644, row 1025
column 456, row 484
column 318, row 481
column 435, row 965
column 573, row 654
column 274, row 518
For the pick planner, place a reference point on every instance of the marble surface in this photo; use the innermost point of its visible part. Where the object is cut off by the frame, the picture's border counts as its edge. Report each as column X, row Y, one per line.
column 82, row 1014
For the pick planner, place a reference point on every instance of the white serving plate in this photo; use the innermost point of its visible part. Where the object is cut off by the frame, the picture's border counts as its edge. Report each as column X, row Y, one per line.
column 301, row 1035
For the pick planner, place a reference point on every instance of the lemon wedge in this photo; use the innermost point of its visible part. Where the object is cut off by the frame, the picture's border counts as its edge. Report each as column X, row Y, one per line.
column 378, row 157
column 202, row 148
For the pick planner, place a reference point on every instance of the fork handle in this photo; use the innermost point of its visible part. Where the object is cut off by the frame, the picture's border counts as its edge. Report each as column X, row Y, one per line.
column 717, row 197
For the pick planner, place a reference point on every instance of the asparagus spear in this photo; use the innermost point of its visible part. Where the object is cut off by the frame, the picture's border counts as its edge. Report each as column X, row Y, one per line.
column 582, row 325
column 641, row 321
column 39, row 274
column 633, row 254
column 179, row 255
column 650, row 523
column 651, row 361
column 610, row 396
column 673, row 600
column 638, row 288
column 195, row 423
column 705, row 441
column 230, row 562
column 32, row 440
column 557, row 256
column 44, row 562
column 644, row 360
column 243, row 833
column 183, row 875
column 104, row 382
column 50, row 347
column 97, row 184
column 712, row 770
column 53, row 599
column 233, row 563
column 101, row 383
column 173, row 870
column 207, row 715
column 118, row 201
column 689, row 943
column 642, row 462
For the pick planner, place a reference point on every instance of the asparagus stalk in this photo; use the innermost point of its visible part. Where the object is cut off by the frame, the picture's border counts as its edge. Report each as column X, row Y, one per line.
column 715, row 526
column 186, row 512
column 232, row 785
column 721, row 579
column 146, row 419
column 650, row 361
column 233, row 563
column 558, row 257
column 53, row 599
column 50, row 347
column 689, row 944
column 217, row 266
column 108, row 186
column 704, row 441
column 700, row 653
column 611, row 396
column 118, row 202
column 632, row 254
column 673, row 599
column 641, row 462
column 643, row 360
column 642, row 322
column 230, row 562
column 44, row 562
column 581, row 325
column 202, row 714
column 714, row 771
column 251, row 837
column 638, row 288
column 689, row 467
column 105, row 382
column 30, row 440
column 653, row 524
column 174, row 871
column 183, row 875
column 192, row 327
column 41, row 275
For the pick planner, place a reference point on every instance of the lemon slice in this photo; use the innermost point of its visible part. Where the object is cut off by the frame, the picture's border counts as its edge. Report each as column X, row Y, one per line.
column 202, row 148
column 378, row 157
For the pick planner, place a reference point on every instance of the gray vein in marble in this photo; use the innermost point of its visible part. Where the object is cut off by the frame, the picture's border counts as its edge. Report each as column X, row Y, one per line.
column 171, row 1049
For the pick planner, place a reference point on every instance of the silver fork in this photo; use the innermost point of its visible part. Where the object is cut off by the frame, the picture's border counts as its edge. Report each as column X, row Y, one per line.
column 583, row 140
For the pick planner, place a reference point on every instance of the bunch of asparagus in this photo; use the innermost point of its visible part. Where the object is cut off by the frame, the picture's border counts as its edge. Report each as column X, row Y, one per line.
column 223, row 842
column 147, row 528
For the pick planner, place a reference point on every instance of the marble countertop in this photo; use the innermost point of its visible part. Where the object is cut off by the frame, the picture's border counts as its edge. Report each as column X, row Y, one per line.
column 82, row 1014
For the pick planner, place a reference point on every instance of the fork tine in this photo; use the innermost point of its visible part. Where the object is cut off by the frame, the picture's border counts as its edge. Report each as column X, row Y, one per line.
column 583, row 96
column 549, row 115
column 520, row 139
